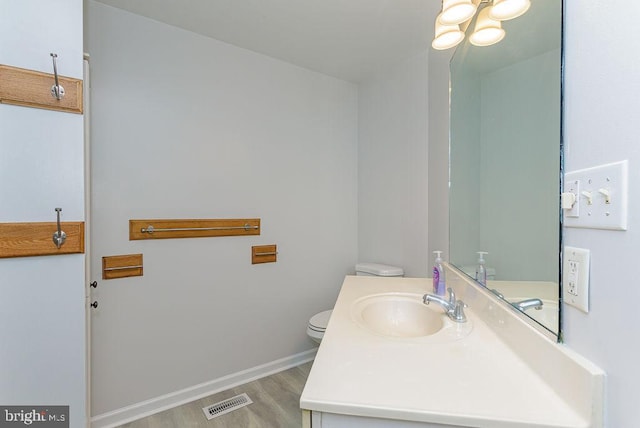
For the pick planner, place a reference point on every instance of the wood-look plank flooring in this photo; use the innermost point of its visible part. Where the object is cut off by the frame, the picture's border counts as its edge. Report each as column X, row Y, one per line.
column 276, row 404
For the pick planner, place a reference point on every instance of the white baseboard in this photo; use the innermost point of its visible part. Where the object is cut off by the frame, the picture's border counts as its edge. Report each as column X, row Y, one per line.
column 158, row 404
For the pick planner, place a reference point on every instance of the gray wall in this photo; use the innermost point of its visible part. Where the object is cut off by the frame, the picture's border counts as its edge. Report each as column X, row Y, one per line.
column 188, row 127
column 393, row 166
column 602, row 83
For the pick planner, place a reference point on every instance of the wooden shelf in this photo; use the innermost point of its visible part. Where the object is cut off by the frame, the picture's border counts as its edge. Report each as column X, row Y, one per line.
column 264, row 254
column 124, row 266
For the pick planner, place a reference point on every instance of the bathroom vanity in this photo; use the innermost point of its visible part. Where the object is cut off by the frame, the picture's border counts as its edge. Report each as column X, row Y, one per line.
column 493, row 371
column 385, row 361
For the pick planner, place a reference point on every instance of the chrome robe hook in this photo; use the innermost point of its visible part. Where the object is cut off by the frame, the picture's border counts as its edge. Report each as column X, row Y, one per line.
column 57, row 91
column 59, row 236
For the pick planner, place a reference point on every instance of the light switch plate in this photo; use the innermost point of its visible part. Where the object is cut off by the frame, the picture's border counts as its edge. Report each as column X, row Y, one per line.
column 575, row 277
column 602, row 197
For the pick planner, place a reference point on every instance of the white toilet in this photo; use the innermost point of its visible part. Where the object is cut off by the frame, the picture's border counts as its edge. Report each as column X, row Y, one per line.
column 318, row 323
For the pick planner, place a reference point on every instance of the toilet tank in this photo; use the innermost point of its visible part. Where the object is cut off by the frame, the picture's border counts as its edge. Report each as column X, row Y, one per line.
column 377, row 269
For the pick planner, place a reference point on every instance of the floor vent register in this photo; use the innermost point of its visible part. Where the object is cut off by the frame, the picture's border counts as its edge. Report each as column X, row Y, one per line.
column 226, row 406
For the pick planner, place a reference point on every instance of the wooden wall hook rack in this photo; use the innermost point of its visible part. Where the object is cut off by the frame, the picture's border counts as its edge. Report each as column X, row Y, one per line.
column 34, row 239
column 29, row 88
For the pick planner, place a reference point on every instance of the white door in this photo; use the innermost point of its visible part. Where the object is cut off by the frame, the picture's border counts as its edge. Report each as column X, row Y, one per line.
column 42, row 299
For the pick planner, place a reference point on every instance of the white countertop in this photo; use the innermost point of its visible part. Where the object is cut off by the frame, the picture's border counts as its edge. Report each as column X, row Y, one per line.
column 475, row 381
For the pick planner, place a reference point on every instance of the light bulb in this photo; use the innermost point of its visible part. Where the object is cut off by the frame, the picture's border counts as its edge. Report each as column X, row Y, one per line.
column 456, row 11
column 503, row 10
column 487, row 31
column 447, row 36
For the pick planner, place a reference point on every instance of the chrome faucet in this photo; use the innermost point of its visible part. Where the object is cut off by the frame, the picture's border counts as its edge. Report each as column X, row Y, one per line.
column 497, row 293
column 453, row 308
column 528, row 303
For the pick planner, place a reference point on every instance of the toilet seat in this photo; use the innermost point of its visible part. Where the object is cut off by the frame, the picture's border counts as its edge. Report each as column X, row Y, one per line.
column 319, row 322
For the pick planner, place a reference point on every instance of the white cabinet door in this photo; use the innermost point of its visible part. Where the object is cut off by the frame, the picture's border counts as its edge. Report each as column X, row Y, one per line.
column 332, row 420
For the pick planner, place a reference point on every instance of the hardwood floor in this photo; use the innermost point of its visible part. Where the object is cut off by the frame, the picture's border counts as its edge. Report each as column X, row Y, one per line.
column 275, row 405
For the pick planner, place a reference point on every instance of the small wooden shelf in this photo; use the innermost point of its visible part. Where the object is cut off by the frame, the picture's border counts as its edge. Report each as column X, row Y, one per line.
column 35, row 239
column 29, row 88
column 264, row 254
column 123, row 266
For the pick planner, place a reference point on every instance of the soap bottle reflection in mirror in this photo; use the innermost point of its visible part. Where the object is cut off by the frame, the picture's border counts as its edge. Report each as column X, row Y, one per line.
column 439, row 286
column 481, row 270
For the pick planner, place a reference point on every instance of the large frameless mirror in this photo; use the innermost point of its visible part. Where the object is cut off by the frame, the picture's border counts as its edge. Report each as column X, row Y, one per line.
column 505, row 161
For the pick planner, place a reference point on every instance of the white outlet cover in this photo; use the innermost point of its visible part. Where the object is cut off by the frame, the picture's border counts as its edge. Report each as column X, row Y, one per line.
column 593, row 212
column 575, row 277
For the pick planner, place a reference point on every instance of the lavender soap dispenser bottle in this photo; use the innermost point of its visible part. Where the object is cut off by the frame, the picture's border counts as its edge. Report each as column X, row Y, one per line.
column 439, row 286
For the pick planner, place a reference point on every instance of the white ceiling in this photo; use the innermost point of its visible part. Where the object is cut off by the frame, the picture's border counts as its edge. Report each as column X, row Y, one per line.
column 348, row 39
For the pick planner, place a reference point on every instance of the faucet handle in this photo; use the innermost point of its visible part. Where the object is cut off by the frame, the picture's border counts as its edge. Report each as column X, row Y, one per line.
column 458, row 312
column 452, row 296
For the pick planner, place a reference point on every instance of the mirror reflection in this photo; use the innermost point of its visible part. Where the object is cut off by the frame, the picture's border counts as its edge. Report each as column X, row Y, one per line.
column 505, row 160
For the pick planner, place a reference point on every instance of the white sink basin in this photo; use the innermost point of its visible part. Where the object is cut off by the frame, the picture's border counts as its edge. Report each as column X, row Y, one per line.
column 398, row 315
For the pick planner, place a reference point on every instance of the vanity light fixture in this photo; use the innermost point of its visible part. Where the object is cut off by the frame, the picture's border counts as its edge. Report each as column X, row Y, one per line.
column 487, row 31
column 456, row 11
column 457, row 15
column 503, row 10
column 447, row 36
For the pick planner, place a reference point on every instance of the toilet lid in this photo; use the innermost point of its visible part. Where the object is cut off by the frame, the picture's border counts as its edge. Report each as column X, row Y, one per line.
column 319, row 322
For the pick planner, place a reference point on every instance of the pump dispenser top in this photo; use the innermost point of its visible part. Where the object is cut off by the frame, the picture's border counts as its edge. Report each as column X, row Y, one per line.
column 439, row 286
column 481, row 270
